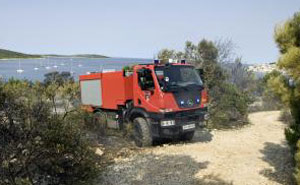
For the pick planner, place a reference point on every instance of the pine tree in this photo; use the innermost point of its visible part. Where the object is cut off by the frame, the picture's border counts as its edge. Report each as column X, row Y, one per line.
column 287, row 37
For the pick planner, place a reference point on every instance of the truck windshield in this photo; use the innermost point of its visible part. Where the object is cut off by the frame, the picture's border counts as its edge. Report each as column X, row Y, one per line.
column 177, row 76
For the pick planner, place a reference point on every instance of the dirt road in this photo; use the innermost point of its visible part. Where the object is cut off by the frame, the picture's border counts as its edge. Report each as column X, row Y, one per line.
column 256, row 154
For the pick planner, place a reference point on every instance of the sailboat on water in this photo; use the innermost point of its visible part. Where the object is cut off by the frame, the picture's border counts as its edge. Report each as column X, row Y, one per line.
column 36, row 68
column 55, row 66
column 79, row 65
column 71, row 71
column 20, row 70
column 48, row 67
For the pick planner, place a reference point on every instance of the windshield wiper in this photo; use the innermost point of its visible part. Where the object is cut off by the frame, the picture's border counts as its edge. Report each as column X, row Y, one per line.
column 197, row 86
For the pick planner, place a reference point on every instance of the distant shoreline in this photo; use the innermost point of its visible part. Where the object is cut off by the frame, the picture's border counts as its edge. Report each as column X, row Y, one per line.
column 12, row 55
column 20, row 58
column 45, row 57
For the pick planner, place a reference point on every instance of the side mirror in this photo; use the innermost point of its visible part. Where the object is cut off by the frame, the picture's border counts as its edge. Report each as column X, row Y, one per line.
column 292, row 83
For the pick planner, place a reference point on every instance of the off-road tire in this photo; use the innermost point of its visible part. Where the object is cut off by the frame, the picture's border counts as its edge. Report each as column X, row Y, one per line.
column 142, row 133
column 188, row 136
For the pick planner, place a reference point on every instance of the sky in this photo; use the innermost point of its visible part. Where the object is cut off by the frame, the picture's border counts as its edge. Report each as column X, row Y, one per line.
column 141, row 28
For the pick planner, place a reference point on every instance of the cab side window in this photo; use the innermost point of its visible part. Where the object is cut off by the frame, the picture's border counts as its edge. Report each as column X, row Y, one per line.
column 145, row 79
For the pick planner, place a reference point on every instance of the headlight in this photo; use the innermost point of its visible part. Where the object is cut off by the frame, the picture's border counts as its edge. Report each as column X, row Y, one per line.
column 167, row 123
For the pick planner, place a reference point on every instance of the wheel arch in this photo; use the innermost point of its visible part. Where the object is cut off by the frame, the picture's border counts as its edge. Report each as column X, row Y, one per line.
column 138, row 112
column 97, row 110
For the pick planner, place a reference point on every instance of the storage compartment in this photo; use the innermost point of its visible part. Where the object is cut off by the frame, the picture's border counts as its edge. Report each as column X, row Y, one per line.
column 114, row 90
column 91, row 92
column 106, row 90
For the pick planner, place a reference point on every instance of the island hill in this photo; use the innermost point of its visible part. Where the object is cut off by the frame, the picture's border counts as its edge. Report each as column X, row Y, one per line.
column 7, row 54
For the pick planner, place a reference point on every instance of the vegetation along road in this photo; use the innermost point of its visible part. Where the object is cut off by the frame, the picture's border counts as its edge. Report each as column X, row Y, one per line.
column 255, row 154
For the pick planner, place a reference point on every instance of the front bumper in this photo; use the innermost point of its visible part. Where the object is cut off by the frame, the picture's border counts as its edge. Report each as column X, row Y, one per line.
column 183, row 119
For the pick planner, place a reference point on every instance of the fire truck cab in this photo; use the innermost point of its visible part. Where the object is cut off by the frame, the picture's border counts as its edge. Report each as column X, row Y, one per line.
column 159, row 100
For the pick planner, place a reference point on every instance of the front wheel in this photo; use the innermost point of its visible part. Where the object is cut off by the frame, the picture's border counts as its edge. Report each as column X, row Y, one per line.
column 188, row 136
column 141, row 132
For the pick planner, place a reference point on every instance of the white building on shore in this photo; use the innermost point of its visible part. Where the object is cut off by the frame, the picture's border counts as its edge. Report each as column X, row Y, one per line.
column 263, row 68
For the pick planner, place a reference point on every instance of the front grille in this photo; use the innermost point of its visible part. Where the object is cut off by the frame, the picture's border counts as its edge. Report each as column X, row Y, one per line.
column 187, row 113
column 187, row 120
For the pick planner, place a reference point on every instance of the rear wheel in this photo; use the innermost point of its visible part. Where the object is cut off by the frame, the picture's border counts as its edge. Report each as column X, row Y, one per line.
column 141, row 132
column 188, row 136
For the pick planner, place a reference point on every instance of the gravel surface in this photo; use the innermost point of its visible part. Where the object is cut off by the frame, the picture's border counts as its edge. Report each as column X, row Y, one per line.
column 255, row 154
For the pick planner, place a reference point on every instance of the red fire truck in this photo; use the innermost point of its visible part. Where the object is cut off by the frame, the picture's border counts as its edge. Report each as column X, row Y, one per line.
column 159, row 100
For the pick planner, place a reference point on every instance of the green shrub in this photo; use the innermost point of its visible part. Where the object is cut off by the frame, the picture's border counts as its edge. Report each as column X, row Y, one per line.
column 39, row 146
column 228, row 107
column 271, row 101
column 287, row 85
column 286, row 116
column 297, row 168
column 58, row 78
column 265, row 98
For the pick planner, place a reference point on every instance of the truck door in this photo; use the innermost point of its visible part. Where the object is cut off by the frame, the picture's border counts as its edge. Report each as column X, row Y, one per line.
column 147, row 94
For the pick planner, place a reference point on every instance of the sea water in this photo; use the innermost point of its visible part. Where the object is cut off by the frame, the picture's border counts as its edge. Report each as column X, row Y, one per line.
column 35, row 69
